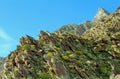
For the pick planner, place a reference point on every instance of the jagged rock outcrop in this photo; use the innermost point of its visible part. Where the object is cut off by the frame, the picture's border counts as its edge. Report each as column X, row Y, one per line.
column 93, row 55
column 100, row 15
column 80, row 29
column 58, row 68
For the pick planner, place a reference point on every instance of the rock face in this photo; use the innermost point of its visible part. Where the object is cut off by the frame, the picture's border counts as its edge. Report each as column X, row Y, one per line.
column 2, row 61
column 67, row 54
column 100, row 15
column 58, row 68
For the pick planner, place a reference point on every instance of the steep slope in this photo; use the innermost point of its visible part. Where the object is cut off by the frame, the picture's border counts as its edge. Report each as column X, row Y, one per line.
column 105, row 39
column 65, row 55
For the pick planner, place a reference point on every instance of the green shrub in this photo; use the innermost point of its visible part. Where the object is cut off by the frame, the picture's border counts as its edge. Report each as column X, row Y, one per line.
column 44, row 75
column 79, row 52
column 65, row 57
column 72, row 55
column 26, row 46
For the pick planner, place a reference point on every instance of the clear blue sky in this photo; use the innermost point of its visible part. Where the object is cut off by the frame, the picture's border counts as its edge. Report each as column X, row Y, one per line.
column 21, row 17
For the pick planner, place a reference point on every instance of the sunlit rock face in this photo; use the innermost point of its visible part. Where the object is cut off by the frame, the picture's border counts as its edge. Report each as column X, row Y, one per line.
column 100, row 15
column 91, row 53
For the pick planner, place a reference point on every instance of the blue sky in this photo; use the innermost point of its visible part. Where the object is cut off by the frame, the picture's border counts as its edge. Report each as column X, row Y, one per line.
column 21, row 17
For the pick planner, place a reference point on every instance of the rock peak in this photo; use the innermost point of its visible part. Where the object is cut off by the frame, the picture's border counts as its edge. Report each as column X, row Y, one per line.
column 118, row 9
column 101, row 9
column 101, row 14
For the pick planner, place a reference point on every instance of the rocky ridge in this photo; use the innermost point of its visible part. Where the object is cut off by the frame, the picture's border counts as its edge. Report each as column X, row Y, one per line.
column 80, row 29
column 93, row 55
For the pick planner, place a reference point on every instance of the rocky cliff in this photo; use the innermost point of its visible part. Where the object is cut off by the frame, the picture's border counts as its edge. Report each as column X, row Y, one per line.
column 66, row 55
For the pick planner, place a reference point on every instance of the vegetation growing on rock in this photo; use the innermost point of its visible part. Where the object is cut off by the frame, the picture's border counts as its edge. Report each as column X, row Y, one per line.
column 66, row 55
